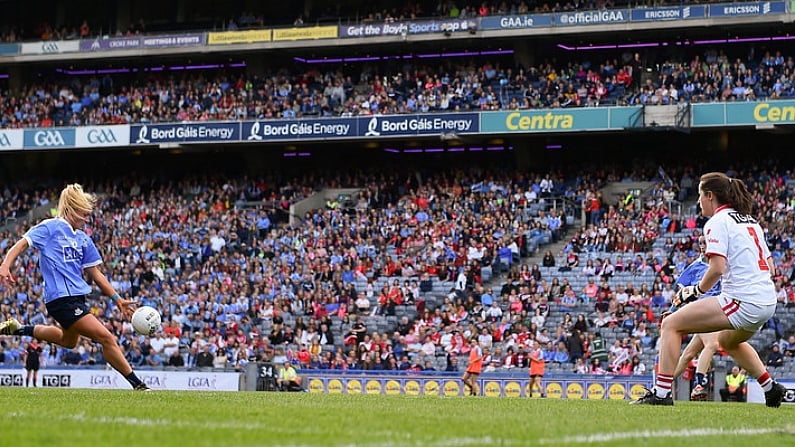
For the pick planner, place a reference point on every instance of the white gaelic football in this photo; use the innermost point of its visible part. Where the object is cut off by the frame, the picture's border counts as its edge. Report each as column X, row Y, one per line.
column 146, row 320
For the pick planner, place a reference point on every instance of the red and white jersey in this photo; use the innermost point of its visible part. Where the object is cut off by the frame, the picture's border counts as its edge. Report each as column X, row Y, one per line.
column 739, row 238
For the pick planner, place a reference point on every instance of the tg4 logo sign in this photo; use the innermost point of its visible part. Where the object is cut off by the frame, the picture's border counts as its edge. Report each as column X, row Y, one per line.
column 11, row 380
column 56, row 380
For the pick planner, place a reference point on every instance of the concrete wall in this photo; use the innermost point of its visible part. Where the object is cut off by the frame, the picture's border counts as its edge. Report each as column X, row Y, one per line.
column 617, row 190
column 317, row 200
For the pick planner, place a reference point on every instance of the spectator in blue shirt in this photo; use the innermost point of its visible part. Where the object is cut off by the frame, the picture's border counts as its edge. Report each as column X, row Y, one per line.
column 548, row 352
column 561, row 353
column 421, row 216
column 347, row 274
column 263, row 224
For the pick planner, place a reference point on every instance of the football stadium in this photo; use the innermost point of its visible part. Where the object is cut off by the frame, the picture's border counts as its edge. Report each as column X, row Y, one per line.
column 397, row 222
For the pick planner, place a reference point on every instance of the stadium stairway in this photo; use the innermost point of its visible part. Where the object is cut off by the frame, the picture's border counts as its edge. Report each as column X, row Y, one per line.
column 31, row 216
column 536, row 257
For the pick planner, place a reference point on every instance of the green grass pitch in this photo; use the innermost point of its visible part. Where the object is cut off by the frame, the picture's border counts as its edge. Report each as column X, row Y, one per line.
column 94, row 418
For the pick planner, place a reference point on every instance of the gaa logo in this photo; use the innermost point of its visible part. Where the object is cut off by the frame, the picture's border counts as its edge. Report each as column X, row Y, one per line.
column 101, row 136
column 56, row 380
column 50, row 47
column 48, row 138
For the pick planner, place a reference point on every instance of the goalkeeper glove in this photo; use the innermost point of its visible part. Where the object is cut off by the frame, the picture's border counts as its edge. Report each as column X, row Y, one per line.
column 686, row 295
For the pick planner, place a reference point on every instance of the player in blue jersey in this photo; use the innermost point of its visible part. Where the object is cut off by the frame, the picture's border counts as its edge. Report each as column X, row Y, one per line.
column 65, row 253
column 706, row 343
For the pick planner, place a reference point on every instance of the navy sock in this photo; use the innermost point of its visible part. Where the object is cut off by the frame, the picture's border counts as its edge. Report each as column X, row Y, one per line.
column 25, row 331
column 701, row 379
column 133, row 379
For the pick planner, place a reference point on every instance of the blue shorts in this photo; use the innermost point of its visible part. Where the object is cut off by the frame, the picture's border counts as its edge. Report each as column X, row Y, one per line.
column 68, row 309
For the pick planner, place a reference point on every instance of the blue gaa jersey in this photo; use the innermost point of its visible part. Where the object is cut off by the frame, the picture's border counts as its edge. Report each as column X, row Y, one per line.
column 63, row 254
column 691, row 276
column 693, row 273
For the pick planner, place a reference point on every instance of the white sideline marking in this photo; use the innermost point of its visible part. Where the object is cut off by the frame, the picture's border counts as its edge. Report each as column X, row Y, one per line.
column 81, row 417
column 645, row 434
column 449, row 442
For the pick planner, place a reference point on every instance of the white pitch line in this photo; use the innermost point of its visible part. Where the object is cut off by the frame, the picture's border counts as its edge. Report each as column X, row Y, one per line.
column 144, row 422
column 133, row 421
column 645, row 434
column 448, row 442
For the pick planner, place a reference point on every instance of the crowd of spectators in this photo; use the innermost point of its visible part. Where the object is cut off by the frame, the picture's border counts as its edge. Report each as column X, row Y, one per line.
column 233, row 287
column 218, row 269
column 17, row 201
column 326, row 13
column 478, row 84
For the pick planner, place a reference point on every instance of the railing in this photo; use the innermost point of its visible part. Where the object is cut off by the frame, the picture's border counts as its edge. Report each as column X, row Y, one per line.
column 674, row 206
column 683, row 117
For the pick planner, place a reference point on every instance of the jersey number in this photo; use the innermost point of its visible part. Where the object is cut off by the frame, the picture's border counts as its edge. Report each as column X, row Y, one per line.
column 762, row 262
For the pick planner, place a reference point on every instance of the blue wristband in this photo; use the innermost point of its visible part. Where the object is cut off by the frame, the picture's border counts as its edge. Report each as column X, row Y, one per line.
column 115, row 298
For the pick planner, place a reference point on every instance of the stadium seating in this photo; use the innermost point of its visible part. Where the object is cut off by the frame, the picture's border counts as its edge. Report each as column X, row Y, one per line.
column 298, row 90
